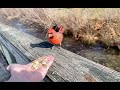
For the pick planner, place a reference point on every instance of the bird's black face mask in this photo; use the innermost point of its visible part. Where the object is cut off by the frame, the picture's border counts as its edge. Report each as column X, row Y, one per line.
column 56, row 28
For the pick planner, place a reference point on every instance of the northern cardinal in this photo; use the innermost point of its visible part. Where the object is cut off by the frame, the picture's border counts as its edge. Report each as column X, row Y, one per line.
column 55, row 34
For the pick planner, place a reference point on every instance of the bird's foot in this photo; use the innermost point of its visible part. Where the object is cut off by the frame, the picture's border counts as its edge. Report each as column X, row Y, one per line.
column 60, row 48
column 52, row 48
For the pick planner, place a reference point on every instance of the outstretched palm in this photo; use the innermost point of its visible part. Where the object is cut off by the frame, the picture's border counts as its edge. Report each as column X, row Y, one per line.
column 25, row 73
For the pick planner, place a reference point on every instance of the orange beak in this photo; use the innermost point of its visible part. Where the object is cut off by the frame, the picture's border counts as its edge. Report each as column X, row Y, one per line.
column 50, row 35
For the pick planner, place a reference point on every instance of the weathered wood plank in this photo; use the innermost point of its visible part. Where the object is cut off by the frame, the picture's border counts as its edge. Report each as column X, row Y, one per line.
column 10, row 58
column 4, row 74
column 67, row 67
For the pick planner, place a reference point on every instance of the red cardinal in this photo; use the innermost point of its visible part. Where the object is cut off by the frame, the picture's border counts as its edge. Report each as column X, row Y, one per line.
column 55, row 34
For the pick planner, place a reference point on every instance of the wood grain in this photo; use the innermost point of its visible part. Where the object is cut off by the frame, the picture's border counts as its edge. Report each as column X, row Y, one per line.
column 67, row 67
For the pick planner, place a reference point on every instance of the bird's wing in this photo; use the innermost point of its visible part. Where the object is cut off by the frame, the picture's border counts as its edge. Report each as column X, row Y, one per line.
column 61, row 29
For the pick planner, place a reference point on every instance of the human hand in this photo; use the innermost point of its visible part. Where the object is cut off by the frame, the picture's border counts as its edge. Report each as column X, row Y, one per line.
column 24, row 73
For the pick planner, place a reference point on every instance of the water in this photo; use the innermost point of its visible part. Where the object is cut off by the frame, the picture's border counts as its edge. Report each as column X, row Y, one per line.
column 98, row 53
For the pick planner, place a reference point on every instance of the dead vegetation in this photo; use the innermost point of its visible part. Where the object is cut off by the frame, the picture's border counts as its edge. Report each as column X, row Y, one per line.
column 89, row 25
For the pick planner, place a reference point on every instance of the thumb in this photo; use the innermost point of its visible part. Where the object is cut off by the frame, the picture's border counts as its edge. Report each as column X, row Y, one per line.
column 9, row 67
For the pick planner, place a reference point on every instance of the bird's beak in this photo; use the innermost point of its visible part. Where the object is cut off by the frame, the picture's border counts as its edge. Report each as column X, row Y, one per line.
column 50, row 35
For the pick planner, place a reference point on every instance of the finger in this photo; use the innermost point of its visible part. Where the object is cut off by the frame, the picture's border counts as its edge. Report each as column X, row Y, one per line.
column 8, row 67
column 50, row 59
column 43, row 69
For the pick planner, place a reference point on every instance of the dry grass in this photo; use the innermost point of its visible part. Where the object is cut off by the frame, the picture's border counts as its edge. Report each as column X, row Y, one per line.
column 89, row 25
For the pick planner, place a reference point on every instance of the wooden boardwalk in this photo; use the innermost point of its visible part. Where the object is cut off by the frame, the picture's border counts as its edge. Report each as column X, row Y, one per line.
column 4, row 74
column 67, row 67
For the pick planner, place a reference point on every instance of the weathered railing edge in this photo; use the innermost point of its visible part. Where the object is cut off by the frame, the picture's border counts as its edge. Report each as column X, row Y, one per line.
column 25, row 60
column 94, row 63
